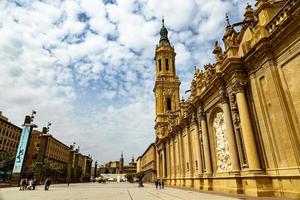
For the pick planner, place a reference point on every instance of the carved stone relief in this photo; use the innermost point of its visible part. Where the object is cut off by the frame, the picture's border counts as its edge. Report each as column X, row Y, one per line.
column 222, row 150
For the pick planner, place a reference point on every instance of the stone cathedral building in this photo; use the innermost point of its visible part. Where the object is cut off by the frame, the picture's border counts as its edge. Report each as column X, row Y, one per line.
column 239, row 130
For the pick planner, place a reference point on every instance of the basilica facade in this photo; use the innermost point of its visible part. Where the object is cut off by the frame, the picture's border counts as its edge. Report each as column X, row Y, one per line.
column 239, row 130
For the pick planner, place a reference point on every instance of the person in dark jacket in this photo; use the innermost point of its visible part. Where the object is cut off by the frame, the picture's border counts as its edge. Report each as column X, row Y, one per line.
column 47, row 183
column 34, row 182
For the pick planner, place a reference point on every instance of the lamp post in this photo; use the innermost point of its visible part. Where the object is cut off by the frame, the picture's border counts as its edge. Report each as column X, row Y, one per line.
column 95, row 170
column 38, row 170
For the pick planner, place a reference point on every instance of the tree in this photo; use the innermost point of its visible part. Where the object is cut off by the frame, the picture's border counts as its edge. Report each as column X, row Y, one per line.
column 140, row 175
column 129, row 177
column 7, row 160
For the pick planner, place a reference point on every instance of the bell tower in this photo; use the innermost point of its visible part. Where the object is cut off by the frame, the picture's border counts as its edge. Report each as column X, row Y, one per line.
column 166, row 89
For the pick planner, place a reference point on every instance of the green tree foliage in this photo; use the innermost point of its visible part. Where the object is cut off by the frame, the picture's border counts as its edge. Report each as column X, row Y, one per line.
column 7, row 160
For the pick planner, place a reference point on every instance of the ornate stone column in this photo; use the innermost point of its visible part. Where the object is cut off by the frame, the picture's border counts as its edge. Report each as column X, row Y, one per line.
column 157, row 165
column 207, row 156
column 182, row 158
column 189, row 157
column 230, row 132
column 177, row 158
column 163, row 163
column 168, row 157
column 173, row 160
column 197, row 156
column 247, row 129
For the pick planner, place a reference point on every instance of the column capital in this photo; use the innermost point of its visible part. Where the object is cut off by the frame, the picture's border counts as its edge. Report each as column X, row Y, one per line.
column 194, row 118
column 201, row 115
column 238, row 87
column 223, row 97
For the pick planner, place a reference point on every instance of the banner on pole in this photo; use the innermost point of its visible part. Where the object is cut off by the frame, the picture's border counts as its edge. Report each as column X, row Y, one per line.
column 21, row 152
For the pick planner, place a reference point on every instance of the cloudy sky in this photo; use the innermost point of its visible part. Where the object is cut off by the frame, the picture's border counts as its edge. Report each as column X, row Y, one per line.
column 87, row 65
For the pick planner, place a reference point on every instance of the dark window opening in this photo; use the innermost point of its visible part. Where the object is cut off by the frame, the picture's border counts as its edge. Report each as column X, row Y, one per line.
column 196, row 164
column 167, row 64
column 187, row 167
column 159, row 64
column 169, row 104
column 173, row 66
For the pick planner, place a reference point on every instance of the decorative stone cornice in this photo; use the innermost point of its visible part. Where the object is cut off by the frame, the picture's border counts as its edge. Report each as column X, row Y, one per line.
column 282, row 15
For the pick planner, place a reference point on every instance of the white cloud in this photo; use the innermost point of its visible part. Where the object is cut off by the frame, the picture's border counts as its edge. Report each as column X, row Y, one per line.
column 88, row 67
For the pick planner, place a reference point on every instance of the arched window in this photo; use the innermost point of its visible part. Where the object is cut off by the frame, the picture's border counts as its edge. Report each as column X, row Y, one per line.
column 159, row 64
column 169, row 104
column 167, row 64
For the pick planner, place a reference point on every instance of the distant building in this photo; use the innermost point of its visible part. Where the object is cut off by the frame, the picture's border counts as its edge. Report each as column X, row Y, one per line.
column 47, row 156
column 117, row 167
column 131, row 168
column 9, row 135
column 146, row 163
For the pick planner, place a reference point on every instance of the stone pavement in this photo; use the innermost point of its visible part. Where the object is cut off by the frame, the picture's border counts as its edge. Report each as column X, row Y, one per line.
column 109, row 191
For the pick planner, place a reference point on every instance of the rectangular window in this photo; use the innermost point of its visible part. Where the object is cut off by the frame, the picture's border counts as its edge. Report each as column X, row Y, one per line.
column 167, row 64
column 187, row 167
column 196, row 164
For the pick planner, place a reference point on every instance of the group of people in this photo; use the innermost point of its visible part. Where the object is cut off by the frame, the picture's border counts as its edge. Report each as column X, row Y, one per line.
column 26, row 184
column 160, row 183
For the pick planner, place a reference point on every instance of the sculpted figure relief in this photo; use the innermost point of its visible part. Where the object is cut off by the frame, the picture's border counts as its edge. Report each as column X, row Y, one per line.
column 218, row 52
column 223, row 157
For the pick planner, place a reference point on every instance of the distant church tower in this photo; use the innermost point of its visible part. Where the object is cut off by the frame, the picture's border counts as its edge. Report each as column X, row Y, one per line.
column 166, row 87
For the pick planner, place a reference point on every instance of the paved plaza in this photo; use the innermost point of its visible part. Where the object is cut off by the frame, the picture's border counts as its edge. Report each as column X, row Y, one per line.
column 109, row 191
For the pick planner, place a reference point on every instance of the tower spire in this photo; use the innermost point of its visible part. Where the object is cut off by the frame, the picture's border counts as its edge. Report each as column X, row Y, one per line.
column 163, row 33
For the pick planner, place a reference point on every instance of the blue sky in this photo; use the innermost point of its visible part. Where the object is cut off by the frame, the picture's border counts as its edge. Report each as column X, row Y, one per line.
column 87, row 66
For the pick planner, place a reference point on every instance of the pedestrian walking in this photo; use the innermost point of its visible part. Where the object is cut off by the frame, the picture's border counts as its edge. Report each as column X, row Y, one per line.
column 34, row 183
column 22, row 183
column 156, row 184
column 159, row 184
column 47, row 183
column 30, row 184
column 162, row 184
column 46, row 188
column 68, row 183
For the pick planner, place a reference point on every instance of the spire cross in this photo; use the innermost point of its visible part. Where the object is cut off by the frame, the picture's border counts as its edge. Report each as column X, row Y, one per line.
column 227, row 19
